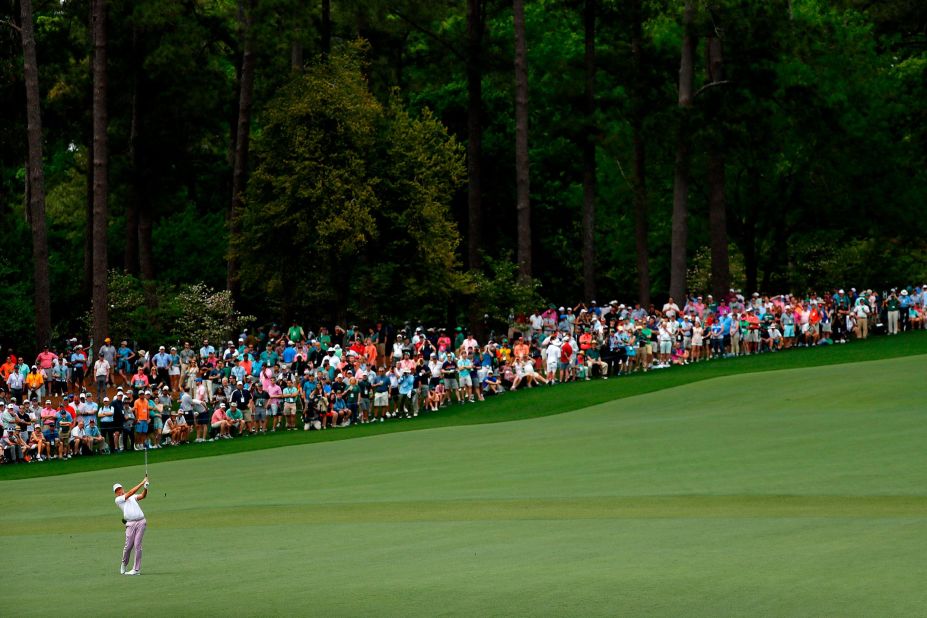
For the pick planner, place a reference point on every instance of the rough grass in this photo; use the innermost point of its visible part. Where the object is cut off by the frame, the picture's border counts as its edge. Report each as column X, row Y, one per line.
column 797, row 492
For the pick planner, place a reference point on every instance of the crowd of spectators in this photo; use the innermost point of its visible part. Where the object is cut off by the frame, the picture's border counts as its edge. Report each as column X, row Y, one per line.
column 74, row 401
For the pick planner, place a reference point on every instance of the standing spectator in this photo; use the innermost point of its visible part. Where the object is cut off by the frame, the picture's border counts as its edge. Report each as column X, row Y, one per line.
column 566, row 359
column 78, row 367
column 124, row 421
column 45, row 360
column 162, row 364
column 87, row 409
column 289, row 393
column 893, row 309
column 173, row 371
column 16, row 384
column 274, row 394
column 206, row 350
column 35, row 384
column 449, row 370
column 140, row 381
column 101, row 373
column 142, row 417
column 187, row 357
column 107, row 426
column 380, row 385
column 63, row 422
column 108, row 352
column 124, row 358
column 406, row 383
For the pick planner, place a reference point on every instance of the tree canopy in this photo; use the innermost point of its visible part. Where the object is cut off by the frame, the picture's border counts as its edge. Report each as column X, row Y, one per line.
column 358, row 196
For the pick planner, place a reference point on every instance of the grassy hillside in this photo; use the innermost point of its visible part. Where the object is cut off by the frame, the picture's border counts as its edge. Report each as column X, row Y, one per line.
column 796, row 492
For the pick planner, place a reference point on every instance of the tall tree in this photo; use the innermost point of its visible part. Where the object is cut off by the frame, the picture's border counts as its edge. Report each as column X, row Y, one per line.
column 589, row 145
column 36, row 178
column 717, row 207
column 100, row 174
column 522, row 174
column 242, row 136
column 680, row 225
column 326, row 28
column 130, row 258
column 475, row 26
column 638, row 113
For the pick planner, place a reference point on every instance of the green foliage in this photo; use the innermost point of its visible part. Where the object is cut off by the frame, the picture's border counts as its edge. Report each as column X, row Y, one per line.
column 359, row 191
column 498, row 294
column 698, row 275
column 152, row 314
column 355, row 198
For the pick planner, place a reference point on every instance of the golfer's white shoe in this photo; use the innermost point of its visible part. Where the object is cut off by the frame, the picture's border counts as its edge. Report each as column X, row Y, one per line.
column 122, row 569
column 132, row 572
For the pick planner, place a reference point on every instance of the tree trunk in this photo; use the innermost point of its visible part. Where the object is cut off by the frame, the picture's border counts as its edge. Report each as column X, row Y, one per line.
column 87, row 281
column 474, row 132
column 36, row 179
column 717, row 207
column 130, row 258
column 680, row 229
column 326, row 29
column 100, row 172
column 522, row 175
column 589, row 164
column 296, row 57
column 145, row 225
column 240, row 169
column 639, row 110
column 751, row 263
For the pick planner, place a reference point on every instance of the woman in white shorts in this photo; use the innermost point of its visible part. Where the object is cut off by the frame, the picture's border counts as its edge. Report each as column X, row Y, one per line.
column 697, row 340
column 174, row 371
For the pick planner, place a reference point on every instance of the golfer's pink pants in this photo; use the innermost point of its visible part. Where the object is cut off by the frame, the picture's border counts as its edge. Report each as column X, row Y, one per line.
column 135, row 532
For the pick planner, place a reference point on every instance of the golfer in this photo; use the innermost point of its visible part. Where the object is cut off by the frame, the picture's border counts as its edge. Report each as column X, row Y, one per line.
column 134, row 520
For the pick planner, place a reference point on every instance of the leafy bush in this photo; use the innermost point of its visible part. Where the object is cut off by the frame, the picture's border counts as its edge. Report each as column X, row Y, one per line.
column 156, row 313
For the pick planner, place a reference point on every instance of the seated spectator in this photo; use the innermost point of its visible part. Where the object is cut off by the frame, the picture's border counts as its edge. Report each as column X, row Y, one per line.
column 37, row 445
column 12, row 447
column 235, row 419
column 77, row 440
column 491, row 384
column 220, row 423
column 94, row 440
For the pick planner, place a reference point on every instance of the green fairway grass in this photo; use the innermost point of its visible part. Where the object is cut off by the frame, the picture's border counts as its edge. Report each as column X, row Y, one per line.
column 524, row 404
column 782, row 493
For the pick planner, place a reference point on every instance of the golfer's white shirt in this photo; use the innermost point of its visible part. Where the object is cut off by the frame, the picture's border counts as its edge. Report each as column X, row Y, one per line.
column 131, row 511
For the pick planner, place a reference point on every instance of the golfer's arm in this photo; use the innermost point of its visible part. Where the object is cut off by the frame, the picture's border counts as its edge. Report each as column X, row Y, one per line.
column 142, row 495
column 134, row 489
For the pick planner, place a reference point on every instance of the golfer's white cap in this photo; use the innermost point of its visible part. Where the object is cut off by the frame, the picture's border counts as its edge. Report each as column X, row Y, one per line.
column 116, row 486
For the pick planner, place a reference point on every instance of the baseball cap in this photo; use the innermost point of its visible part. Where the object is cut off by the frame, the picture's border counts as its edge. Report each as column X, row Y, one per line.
column 116, row 486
